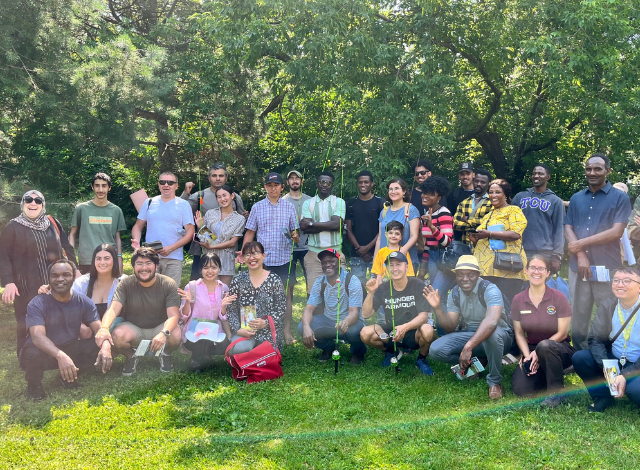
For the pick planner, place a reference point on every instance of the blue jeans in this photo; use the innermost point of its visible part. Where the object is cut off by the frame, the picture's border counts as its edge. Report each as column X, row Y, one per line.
column 442, row 281
column 359, row 268
column 593, row 377
column 352, row 336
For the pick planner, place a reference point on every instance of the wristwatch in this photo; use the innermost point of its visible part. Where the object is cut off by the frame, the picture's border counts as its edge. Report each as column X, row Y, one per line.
column 167, row 333
column 310, row 224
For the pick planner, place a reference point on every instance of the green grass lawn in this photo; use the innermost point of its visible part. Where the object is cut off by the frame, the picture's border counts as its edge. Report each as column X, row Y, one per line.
column 365, row 417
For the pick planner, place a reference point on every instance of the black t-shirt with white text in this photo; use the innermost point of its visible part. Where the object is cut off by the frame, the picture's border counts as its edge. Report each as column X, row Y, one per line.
column 407, row 303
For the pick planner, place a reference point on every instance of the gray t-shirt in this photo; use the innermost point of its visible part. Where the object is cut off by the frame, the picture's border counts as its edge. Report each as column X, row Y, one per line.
column 166, row 222
column 146, row 307
column 209, row 201
column 297, row 203
column 471, row 310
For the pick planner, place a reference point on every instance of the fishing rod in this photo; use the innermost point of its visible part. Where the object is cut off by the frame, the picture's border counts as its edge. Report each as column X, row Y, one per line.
column 336, row 353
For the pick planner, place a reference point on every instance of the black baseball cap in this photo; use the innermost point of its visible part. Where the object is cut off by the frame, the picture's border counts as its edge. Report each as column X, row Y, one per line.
column 466, row 166
column 398, row 255
column 273, row 178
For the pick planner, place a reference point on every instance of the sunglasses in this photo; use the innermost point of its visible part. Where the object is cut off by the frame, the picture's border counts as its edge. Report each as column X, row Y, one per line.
column 325, row 183
column 29, row 199
column 167, row 182
column 421, row 173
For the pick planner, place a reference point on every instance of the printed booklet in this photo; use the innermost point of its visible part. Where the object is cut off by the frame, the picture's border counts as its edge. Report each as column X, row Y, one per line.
column 247, row 314
column 144, row 349
column 610, row 367
column 475, row 367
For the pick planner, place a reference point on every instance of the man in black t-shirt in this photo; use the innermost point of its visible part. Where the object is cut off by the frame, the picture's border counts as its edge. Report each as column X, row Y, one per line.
column 405, row 307
column 362, row 217
column 149, row 304
column 53, row 324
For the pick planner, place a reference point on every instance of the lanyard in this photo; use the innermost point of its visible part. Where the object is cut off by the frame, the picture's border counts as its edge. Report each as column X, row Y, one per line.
column 626, row 333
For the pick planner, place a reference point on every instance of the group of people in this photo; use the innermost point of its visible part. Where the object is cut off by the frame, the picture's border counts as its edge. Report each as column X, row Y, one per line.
column 459, row 276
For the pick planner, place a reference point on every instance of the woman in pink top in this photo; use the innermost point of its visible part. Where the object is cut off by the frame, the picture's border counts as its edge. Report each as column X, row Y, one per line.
column 437, row 230
column 204, row 300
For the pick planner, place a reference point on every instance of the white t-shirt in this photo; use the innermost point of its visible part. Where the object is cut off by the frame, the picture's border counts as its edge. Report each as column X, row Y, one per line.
column 165, row 222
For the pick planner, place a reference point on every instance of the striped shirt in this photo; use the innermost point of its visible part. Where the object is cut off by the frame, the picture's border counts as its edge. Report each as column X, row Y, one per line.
column 443, row 234
column 269, row 220
column 319, row 210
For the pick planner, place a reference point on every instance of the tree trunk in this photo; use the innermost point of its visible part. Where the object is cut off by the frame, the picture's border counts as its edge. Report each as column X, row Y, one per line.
column 490, row 143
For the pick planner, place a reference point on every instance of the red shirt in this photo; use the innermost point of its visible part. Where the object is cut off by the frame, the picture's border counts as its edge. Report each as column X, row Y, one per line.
column 541, row 322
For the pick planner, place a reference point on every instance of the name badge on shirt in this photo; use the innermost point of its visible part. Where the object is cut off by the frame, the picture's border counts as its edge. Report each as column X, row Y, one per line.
column 524, row 312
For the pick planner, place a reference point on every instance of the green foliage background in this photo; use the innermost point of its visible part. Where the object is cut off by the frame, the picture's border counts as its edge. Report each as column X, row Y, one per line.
column 134, row 86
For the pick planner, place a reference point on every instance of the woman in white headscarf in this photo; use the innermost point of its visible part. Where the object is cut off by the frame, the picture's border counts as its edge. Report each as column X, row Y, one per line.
column 28, row 244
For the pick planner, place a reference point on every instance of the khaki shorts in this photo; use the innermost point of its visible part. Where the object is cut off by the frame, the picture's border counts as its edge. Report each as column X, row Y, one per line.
column 172, row 268
column 142, row 333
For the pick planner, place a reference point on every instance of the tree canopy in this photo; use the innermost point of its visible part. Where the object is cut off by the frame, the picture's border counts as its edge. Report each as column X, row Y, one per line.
column 134, row 86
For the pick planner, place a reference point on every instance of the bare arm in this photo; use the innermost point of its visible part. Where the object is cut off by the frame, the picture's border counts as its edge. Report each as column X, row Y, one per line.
column 72, row 236
column 332, row 225
column 414, row 233
column 367, row 304
column 308, row 338
column 107, row 320
column 104, row 358
column 563, row 329
column 486, row 328
column 119, row 252
column 136, row 233
column 351, row 236
column 521, row 339
column 447, row 321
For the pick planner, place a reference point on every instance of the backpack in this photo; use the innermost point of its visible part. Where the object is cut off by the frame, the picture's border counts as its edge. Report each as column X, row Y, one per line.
column 506, row 303
column 323, row 284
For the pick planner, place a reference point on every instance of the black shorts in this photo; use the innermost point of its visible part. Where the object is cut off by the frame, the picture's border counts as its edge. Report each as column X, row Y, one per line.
column 408, row 342
column 297, row 256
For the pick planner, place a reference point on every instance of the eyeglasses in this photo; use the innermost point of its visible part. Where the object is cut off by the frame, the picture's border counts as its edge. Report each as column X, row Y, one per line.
column 537, row 269
column 421, row 173
column 167, row 182
column 253, row 254
column 325, row 183
column 29, row 199
column 625, row 282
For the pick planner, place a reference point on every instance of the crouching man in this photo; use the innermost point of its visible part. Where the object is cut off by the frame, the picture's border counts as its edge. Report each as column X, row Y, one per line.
column 53, row 325
column 320, row 317
column 149, row 303
column 405, row 307
column 476, row 305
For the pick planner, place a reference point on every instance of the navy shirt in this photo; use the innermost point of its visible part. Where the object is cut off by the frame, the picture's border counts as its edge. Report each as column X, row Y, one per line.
column 591, row 213
column 61, row 320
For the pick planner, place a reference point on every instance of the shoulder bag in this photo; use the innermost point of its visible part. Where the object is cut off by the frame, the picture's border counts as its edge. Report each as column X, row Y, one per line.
column 264, row 362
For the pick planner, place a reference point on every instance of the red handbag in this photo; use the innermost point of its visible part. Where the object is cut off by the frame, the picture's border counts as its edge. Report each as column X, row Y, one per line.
column 264, row 362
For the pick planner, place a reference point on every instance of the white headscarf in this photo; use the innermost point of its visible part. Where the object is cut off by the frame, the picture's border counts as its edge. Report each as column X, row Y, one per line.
column 41, row 222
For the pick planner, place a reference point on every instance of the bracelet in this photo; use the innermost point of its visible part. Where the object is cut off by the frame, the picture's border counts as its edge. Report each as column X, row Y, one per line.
column 105, row 327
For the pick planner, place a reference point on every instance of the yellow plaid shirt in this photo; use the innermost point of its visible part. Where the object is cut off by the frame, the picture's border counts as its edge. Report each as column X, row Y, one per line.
column 465, row 209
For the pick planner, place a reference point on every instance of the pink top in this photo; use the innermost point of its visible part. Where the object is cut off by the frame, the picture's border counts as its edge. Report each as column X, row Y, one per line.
column 208, row 305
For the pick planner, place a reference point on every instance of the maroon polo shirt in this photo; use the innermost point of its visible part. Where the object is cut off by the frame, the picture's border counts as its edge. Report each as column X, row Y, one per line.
column 541, row 322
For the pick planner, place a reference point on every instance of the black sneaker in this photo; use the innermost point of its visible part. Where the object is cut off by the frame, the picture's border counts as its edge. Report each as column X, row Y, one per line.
column 325, row 355
column 36, row 392
column 601, row 404
column 357, row 360
column 130, row 366
column 165, row 363
column 196, row 367
column 69, row 385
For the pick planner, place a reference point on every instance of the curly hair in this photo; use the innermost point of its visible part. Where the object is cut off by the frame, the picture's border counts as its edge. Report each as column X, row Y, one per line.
column 436, row 185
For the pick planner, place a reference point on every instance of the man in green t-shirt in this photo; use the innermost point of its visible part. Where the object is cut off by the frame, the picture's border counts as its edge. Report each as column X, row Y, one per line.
column 148, row 303
column 96, row 222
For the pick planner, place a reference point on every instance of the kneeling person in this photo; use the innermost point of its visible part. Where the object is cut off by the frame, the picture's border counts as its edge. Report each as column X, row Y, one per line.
column 319, row 328
column 405, row 306
column 53, row 325
column 149, row 304
column 484, row 329
column 607, row 325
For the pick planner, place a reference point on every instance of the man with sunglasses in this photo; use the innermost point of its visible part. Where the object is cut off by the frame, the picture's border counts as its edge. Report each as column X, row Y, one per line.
column 205, row 200
column 608, row 323
column 483, row 331
column 405, row 308
column 169, row 221
column 96, row 222
column 322, row 218
column 422, row 170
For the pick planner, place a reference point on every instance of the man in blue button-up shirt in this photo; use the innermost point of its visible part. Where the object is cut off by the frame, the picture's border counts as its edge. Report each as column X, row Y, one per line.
column 595, row 221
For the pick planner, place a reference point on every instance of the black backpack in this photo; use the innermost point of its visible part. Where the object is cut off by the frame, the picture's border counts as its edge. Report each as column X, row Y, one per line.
column 319, row 310
column 506, row 303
